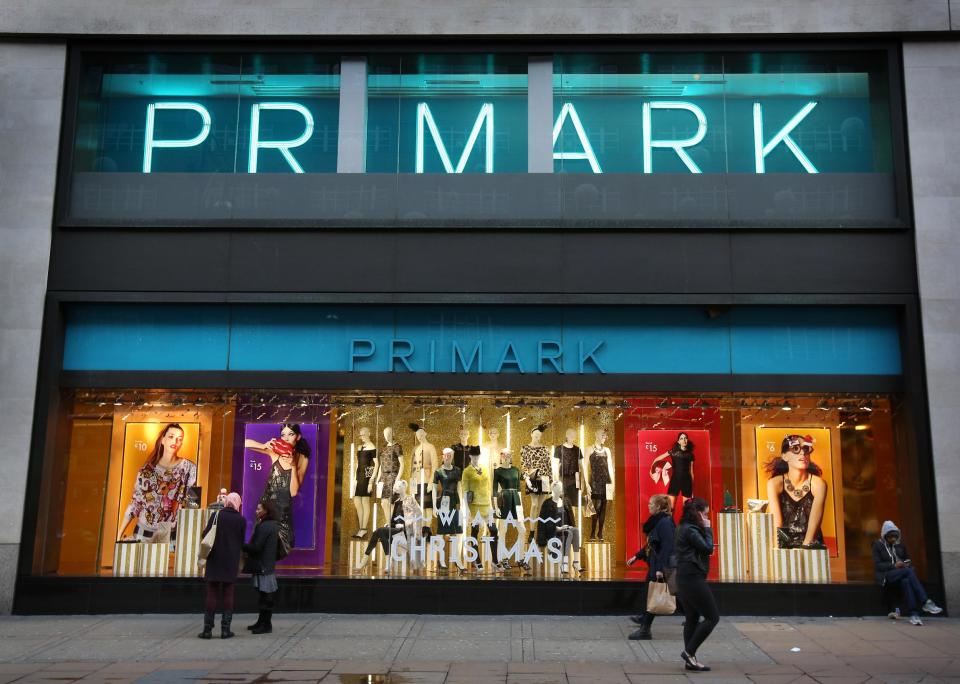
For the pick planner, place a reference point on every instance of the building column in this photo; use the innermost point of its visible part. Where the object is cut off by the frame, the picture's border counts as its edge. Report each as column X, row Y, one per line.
column 352, row 135
column 932, row 89
column 31, row 100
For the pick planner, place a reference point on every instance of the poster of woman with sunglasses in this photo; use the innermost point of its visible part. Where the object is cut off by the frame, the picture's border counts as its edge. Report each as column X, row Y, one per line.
column 797, row 492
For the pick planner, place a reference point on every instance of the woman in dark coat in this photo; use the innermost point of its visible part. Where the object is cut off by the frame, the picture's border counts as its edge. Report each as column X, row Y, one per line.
column 261, row 561
column 660, row 532
column 223, row 565
column 694, row 548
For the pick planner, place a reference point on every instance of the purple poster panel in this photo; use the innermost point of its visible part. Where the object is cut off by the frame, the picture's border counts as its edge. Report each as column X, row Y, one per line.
column 271, row 452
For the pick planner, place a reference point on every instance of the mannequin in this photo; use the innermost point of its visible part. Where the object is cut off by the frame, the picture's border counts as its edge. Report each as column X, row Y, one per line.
column 446, row 493
column 557, row 520
column 390, row 465
column 423, row 464
column 490, row 453
column 506, row 504
column 476, row 490
column 405, row 518
column 462, row 450
column 569, row 459
column 366, row 467
column 601, row 481
column 536, row 469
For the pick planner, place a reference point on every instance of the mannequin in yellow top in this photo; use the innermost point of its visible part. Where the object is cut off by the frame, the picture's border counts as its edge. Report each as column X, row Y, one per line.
column 476, row 488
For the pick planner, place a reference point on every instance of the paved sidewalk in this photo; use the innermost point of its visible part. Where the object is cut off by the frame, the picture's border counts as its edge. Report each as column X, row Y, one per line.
column 398, row 649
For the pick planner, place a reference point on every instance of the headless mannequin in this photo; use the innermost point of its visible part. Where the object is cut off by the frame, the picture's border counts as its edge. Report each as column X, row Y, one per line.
column 447, row 465
column 361, row 502
column 491, row 452
column 569, row 442
column 599, row 493
column 385, row 503
column 422, row 466
column 480, row 505
column 384, row 534
column 506, row 461
column 570, row 534
column 536, row 500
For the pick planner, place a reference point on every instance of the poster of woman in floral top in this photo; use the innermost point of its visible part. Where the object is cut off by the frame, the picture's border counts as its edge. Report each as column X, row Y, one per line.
column 161, row 484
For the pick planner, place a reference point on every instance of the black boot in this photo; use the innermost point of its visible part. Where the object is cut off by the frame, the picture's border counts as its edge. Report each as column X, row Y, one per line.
column 267, row 625
column 258, row 623
column 207, row 632
column 643, row 634
column 225, row 621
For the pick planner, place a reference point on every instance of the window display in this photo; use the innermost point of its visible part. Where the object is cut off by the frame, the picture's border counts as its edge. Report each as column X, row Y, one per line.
column 535, row 487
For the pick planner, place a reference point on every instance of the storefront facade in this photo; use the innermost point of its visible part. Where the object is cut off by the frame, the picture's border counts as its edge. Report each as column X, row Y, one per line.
column 301, row 271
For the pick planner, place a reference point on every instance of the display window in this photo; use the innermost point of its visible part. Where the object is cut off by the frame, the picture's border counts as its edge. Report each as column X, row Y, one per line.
column 475, row 486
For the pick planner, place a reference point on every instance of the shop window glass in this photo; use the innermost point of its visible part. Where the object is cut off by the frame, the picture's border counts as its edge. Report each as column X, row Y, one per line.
column 463, row 113
column 105, row 484
column 207, row 113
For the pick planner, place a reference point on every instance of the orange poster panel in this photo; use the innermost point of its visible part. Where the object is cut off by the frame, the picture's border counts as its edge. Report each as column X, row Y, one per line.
column 769, row 441
column 151, row 494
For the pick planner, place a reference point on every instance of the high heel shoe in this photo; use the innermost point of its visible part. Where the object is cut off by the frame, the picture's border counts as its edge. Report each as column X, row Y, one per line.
column 577, row 567
column 564, row 567
column 364, row 563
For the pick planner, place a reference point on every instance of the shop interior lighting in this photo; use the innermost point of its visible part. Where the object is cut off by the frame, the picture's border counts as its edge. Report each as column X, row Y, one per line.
column 868, row 407
column 685, row 405
column 823, row 405
column 118, row 401
column 786, row 406
column 663, row 403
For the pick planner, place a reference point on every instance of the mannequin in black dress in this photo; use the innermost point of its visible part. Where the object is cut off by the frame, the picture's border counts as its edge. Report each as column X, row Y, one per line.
column 573, row 475
column 366, row 467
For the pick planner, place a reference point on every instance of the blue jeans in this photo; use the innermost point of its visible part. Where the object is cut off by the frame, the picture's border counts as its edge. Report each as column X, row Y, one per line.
column 909, row 585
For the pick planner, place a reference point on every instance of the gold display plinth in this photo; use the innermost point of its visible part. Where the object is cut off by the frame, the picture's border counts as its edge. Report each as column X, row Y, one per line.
column 597, row 559
column 731, row 547
column 154, row 560
column 190, row 524
column 126, row 559
column 802, row 566
column 761, row 542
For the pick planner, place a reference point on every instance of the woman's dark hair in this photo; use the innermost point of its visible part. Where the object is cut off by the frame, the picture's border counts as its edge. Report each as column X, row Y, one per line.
column 676, row 445
column 777, row 466
column 301, row 449
column 157, row 452
column 271, row 509
column 692, row 508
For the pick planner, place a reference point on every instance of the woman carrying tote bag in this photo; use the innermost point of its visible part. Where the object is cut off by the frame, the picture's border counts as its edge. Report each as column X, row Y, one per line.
column 660, row 532
column 223, row 564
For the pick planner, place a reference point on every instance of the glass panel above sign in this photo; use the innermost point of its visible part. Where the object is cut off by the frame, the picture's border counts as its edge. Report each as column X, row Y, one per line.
column 447, row 114
column 721, row 113
column 223, row 113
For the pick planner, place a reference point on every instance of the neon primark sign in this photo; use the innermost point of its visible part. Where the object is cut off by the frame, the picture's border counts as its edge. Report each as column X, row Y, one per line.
column 428, row 139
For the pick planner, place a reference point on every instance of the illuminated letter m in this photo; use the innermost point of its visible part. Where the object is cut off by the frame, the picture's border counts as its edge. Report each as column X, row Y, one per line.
column 424, row 116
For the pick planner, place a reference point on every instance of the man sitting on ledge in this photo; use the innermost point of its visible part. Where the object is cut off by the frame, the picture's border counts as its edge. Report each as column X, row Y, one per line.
column 892, row 566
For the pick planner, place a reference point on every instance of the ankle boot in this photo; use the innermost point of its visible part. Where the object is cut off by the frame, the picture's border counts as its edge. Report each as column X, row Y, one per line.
column 225, row 621
column 266, row 626
column 258, row 623
column 207, row 632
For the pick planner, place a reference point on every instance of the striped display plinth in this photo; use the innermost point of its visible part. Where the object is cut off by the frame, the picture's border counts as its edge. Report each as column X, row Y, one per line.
column 733, row 562
column 597, row 559
column 190, row 524
column 802, row 566
column 154, row 560
column 761, row 542
column 126, row 559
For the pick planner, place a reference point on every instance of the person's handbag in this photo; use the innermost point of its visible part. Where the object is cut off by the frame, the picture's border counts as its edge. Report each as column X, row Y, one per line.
column 670, row 576
column 659, row 599
column 206, row 544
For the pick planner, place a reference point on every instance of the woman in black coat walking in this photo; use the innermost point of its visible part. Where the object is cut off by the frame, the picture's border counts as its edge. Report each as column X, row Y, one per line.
column 660, row 532
column 694, row 548
column 261, row 561
column 223, row 565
